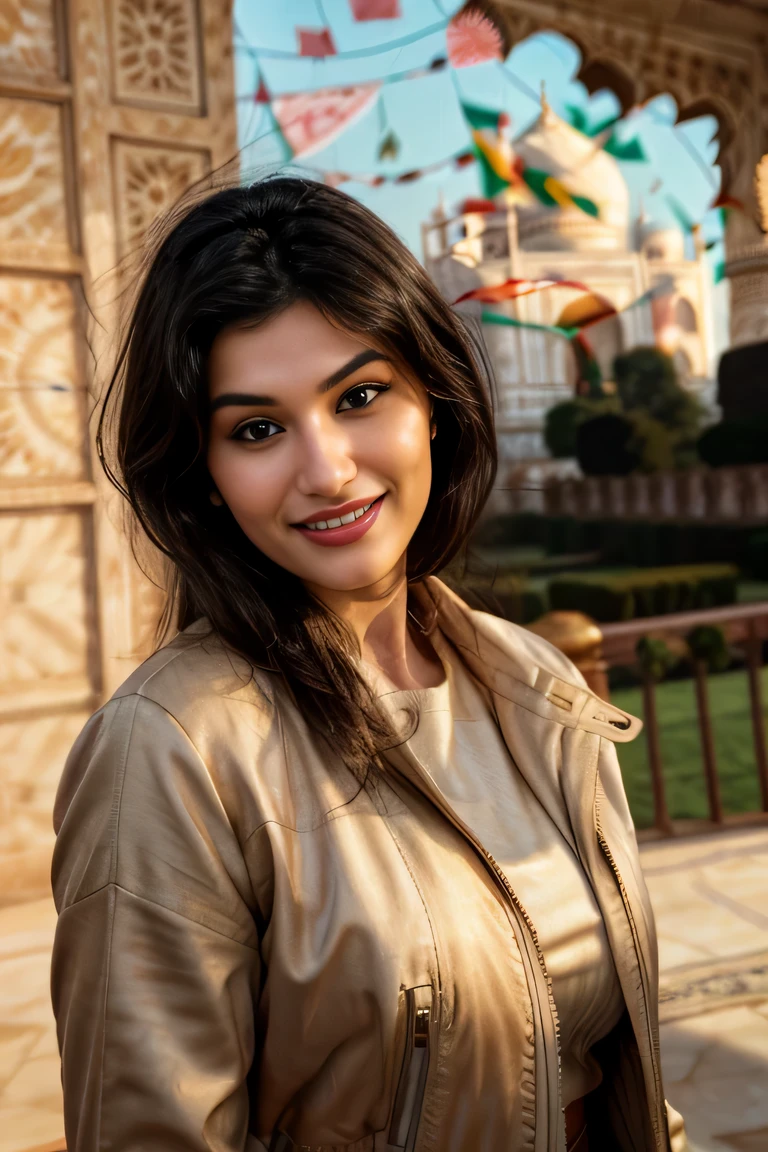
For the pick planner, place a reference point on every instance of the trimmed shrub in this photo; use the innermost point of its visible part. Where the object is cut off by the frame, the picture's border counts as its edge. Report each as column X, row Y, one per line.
column 734, row 442
column 707, row 643
column 604, row 446
column 655, row 657
column 648, row 592
column 562, row 422
column 757, row 554
column 511, row 531
column 506, row 596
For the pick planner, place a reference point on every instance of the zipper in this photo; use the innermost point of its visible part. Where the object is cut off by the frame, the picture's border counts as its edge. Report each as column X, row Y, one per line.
column 409, row 1097
column 515, row 899
column 522, row 914
column 638, row 956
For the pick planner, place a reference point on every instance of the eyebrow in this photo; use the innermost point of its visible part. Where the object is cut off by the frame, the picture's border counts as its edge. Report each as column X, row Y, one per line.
column 244, row 399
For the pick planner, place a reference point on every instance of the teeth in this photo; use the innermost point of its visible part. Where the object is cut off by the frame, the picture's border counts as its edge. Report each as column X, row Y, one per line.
column 336, row 522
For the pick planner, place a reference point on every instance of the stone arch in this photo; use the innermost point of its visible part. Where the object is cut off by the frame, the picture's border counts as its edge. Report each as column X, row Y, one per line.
column 606, row 339
column 598, row 74
column 685, row 316
column 640, row 58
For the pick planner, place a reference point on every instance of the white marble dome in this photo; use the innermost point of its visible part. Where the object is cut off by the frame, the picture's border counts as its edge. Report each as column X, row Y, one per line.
column 658, row 243
column 585, row 169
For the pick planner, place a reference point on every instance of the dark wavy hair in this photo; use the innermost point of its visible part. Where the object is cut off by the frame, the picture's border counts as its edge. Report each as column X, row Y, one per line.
column 240, row 257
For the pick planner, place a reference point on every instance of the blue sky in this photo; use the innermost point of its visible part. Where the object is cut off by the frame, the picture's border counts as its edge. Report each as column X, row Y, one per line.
column 425, row 113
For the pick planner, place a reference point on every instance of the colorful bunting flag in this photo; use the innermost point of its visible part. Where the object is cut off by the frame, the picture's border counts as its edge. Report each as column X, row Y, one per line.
column 262, row 93
column 629, row 150
column 477, row 204
column 473, row 38
column 375, row 9
column 311, row 120
column 389, row 149
column 514, row 289
column 317, row 42
column 578, row 119
column 725, row 200
column 374, row 180
column 581, row 314
column 479, row 117
column 552, row 192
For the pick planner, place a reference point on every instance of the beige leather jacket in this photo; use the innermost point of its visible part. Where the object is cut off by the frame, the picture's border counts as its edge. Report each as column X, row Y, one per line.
column 254, row 952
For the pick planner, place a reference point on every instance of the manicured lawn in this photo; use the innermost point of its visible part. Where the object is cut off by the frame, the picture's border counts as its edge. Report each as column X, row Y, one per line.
column 681, row 751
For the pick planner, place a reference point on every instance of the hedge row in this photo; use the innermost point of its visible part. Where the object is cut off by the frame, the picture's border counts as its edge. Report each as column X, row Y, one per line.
column 652, row 592
column 634, row 542
column 506, row 596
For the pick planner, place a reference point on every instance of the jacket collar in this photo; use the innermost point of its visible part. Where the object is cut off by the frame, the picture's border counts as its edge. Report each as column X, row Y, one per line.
column 521, row 667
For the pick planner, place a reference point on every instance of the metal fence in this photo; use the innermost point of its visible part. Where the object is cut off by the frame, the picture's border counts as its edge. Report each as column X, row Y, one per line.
column 745, row 628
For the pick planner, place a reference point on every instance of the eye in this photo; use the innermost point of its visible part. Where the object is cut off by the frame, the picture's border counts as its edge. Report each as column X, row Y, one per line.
column 252, row 431
column 360, row 396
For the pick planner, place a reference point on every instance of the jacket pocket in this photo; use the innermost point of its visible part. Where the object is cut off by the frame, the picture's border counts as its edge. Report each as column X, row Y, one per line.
column 409, row 1096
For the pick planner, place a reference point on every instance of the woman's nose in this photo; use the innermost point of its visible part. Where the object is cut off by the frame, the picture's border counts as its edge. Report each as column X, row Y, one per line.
column 326, row 463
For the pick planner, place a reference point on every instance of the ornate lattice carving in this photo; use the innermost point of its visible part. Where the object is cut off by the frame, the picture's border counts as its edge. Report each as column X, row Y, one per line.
column 43, row 594
column 32, row 187
column 42, row 414
column 32, row 754
column 761, row 191
column 156, row 53
column 148, row 180
column 639, row 60
column 28, row 37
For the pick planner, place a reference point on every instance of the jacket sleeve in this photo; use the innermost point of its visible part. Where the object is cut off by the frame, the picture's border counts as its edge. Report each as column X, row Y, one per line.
column 155, row 960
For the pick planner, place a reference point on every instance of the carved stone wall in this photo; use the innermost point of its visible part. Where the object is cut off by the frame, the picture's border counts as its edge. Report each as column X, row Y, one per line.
column 107, row 115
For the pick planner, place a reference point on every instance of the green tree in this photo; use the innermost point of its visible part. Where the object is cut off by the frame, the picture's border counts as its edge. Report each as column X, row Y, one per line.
column 646, row 380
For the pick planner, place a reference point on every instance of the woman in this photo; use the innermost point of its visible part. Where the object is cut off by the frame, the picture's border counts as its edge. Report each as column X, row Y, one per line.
column 346, row 865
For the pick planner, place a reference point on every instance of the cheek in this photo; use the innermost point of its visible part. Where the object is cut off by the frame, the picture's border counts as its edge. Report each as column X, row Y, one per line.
column 405, row 452
column 248, row 487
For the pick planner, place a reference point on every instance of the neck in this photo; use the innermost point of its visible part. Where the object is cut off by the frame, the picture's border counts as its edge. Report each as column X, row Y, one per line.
column 378, row 617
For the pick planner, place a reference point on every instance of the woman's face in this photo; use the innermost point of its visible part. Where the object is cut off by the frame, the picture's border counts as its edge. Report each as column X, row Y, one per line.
column 319, row 446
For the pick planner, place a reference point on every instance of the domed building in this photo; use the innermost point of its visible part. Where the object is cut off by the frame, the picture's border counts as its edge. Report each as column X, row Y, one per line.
column 619, row 259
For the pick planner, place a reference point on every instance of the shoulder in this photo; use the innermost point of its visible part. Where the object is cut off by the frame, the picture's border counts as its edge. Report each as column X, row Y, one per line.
column 197, row 672
column 185, row 715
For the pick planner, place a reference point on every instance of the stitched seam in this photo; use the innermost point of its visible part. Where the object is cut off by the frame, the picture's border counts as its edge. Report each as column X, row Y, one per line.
column 193, row 746
column 167, row 664
column 107, row 983
column 156, row 904
column 117, row 799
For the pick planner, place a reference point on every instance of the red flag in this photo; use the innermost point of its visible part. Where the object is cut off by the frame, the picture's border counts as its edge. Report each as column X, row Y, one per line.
column 311, row 120
column 513, row 289
column 472, row 39
column 475, row 204
column 725, row 200
column 315, row 42
column 375, row 9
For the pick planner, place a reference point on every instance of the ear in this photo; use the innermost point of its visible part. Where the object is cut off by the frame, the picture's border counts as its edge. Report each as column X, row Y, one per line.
column 216, row 499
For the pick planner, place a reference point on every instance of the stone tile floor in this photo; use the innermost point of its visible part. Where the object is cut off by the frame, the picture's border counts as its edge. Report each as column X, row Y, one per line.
column 709, row 895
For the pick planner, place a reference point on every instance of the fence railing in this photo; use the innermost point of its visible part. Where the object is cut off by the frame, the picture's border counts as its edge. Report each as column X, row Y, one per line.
column 597, row 648
column 723, row 495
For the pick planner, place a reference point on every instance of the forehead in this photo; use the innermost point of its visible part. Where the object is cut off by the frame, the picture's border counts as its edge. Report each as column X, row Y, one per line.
column 296, row 348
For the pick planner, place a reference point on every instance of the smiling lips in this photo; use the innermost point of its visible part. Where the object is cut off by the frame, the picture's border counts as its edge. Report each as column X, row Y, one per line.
column 354, row 522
